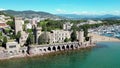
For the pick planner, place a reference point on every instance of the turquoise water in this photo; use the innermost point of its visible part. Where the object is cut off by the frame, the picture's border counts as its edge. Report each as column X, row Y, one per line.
column 105, row 55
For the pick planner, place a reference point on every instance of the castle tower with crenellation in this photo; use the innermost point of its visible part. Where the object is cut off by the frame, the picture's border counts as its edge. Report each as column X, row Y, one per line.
column 81, row 36
column 18, row 24
column 38, row 33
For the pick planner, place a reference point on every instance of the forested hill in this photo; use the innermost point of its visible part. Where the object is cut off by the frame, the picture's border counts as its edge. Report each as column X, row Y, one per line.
column 31, row 14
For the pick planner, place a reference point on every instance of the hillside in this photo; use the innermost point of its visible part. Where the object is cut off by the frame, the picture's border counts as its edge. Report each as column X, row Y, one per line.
column 31, row 14
column 100, row 17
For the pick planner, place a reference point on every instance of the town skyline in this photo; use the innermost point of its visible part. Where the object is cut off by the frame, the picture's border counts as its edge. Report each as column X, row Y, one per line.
column 87, row 7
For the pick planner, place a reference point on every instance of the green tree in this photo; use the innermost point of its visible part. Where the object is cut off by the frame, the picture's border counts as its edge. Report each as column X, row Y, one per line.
column 4, row 41
column 73, row 36
column 11, row 24
column 74, row 27
column 66, row 39
column 18, row 36
column 24, row 27
column 30, row 40
column 85, row 29
column 43, row 39
column 26, row 21
column 0, row 33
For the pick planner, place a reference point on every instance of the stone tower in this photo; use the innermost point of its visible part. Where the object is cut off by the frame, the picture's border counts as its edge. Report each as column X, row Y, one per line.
column 18, row 24
column 38, row 33
column 91, row 39
column 81, row 36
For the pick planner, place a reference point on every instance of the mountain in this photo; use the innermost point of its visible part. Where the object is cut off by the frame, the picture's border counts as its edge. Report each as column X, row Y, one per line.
column 75, row 16
column 31, row 14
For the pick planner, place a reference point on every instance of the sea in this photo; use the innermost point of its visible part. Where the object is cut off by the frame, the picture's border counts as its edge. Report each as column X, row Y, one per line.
column 104, row 55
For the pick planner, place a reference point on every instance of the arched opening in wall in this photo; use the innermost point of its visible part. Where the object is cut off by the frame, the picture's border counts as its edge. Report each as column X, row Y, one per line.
column 54, row 48
column 58, row 48
column 49, row 49
column 71, row 46
column 44, row 49
column 23, row 51
column 67, row 46
column 63, row 47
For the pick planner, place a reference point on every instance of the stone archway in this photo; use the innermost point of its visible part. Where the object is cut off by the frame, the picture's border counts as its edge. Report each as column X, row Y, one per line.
column 49, row 48
column 58, row 48
column 67, row 47
column 71, row 46
column 23, row 51
column 63, row 47
column 45, row 50
column 54, row 48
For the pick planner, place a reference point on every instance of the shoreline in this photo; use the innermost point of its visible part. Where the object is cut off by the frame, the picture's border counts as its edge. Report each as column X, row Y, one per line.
column 49, row 53
column 99, row 38
column 95, row 37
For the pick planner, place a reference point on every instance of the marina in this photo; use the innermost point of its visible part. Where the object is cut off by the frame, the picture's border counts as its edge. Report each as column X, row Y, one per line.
column 109, row 31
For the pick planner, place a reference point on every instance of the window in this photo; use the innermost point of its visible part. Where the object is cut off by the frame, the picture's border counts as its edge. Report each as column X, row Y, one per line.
column 13, row 46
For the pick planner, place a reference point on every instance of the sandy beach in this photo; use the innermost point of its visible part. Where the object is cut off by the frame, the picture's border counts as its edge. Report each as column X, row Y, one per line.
column 99, row 38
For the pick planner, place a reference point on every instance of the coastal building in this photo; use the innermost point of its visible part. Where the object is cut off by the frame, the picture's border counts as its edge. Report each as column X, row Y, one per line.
column 34, row 22
column 12, row 47
column 18, row 24
column 28, row 26
column 80, row 36
column 3, row 25
column 67, row 26
column 58, row 36
column 89, row 22
column 94, row 22
column 5, row 18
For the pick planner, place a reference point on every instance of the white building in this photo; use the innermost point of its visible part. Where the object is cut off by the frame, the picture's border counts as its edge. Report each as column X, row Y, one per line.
column 58, row 36
column 34, row 22
column 67, row 26
column 94, row 22
column 29, row 26
column 12, row 47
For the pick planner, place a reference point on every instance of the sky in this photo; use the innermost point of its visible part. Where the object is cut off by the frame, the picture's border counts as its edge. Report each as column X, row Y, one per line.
column 64, row 6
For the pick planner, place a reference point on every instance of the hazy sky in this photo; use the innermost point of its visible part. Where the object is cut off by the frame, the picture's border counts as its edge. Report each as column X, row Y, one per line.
column 64, row 6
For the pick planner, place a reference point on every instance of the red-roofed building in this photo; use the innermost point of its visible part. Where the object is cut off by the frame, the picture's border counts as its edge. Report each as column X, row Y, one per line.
column 3, row 25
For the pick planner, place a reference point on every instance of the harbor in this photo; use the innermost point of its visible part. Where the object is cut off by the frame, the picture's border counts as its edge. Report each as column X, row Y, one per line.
column 109, row 31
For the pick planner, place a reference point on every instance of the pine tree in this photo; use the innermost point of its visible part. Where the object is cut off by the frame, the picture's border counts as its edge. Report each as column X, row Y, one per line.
column 73, row 36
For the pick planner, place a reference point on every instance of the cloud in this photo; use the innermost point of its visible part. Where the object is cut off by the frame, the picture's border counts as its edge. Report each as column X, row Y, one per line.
column 60, row 11
column 96, row 13
column 1, row 9
column 84, row 13
column 116, row 12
